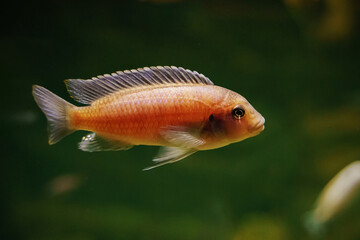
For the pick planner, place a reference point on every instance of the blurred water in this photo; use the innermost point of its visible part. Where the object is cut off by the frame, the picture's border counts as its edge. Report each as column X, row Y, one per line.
column 290, row 63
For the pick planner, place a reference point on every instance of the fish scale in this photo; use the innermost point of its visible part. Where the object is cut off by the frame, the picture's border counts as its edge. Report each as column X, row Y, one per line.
column 142, row 115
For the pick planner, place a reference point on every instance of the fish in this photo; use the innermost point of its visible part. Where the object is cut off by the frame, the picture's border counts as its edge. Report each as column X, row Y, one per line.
column 177, row 109
column 336, row 197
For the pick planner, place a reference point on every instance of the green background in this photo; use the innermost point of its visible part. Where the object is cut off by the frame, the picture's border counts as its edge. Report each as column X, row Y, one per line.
column 297, row 62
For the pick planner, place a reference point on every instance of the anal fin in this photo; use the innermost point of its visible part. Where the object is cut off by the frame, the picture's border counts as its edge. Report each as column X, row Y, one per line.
column 94, row 143
column 170, row 155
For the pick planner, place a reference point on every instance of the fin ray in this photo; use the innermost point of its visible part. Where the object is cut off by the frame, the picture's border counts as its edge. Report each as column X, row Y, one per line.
column 94, row 143
column 182, row 137
column 168, row 155
column 55, row 110
column 88, row 91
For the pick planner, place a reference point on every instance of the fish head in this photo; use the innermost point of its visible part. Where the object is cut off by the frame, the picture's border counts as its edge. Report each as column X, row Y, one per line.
column 237, row 119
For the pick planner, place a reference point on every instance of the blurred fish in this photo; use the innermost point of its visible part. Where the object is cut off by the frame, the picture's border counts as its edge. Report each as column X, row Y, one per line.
column 179, row 109
column 337, row 195
column 64, row 184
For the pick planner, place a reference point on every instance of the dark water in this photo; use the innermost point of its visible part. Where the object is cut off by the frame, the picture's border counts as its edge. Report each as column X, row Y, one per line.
column 297, row 62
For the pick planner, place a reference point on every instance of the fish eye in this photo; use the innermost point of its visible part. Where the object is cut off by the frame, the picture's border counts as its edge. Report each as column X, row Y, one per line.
column 238, row 112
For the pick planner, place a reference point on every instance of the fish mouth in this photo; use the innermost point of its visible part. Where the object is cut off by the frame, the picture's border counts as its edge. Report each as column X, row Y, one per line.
column 259, row 126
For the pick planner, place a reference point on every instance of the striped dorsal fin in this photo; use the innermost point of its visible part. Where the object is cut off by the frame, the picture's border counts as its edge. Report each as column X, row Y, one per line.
column 88, row 91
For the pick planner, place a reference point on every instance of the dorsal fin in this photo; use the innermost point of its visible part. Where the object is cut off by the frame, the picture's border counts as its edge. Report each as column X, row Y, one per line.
column 87, row 91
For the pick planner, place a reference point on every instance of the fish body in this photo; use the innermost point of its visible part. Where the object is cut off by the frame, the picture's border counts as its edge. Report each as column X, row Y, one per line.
column 171, row 107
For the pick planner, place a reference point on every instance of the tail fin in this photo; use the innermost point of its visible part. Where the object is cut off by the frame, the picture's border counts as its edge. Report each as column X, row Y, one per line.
column 55, row 110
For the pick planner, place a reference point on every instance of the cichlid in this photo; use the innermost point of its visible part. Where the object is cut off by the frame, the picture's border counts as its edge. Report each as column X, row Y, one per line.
column 179, row 109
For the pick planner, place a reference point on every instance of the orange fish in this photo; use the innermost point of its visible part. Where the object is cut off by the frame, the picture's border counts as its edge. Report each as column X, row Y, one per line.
column 179, row 109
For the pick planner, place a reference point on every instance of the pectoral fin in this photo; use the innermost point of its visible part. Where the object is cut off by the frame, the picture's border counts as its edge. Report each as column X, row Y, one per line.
column 169, row 155
column 182, row 137
column 94, row 143
column 184, row 142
